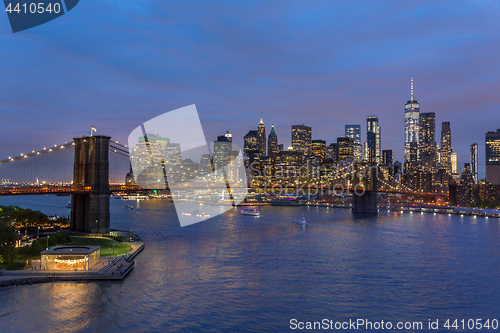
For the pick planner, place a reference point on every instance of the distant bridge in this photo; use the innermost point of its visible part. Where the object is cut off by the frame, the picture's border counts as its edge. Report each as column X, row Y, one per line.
column 60, row 189
column 85, row 169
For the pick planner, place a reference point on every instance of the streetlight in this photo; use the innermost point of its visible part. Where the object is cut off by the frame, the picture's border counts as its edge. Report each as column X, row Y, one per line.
column 47, row 242
column 38, row 232
column 97, row 225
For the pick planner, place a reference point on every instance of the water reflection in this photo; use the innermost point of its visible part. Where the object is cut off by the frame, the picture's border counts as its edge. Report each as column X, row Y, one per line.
column 237, row 273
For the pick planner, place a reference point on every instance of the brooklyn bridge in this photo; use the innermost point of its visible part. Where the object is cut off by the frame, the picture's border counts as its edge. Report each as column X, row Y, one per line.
column 91, row 168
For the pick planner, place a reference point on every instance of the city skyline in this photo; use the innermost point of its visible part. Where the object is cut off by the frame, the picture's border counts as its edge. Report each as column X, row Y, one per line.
column 284, row 73
column 428, row 162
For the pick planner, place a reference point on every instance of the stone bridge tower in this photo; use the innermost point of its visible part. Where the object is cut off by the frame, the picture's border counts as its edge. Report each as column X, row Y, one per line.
column 90, row 210
column 365, row 188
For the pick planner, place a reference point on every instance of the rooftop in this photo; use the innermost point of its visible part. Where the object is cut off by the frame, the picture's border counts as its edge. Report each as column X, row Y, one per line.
column 65, row 250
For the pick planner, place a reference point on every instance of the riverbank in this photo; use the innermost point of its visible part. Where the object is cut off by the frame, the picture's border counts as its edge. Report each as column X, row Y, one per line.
column 109, row 268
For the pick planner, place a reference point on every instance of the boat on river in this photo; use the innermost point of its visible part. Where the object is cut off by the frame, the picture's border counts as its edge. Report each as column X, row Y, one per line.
column 249, row 211
column 302, row 220
column 196, row 213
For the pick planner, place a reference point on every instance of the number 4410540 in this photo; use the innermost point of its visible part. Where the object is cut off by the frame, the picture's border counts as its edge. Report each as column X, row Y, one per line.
column 471, row 324
column 34, row 8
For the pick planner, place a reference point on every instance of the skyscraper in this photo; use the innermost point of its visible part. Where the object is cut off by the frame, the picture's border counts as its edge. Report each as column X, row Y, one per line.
column 345, row 148
column 301, row 138
column 373, row 139
column 261, row 138
column 466, row 177
column 446, row 146
column 205, row 168
column 454, row 163
column 272, row 144
column 250, row 143
column 331, row 152
column 229, row 137
column 387, row 156
column 319, row 149
column 149, row 156
column 225, row 160
column 354, row 132
column 493, row 157
column 473, row 162
column 412, row 117
column 427, row 146
column 173, row 161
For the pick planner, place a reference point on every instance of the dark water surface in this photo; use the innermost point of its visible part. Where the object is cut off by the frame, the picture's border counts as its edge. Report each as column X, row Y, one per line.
column 237, row 273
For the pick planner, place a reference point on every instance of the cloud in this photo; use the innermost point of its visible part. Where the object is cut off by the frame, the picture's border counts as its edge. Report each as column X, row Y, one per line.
column 115, row 64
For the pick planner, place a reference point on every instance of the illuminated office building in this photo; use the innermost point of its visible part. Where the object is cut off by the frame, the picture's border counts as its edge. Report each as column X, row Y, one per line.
column 205, row 167
column 438, row 154
column 272, row 144
column 466, row 178
column 148, row 158
column 387, row 156
column 149, row 150
column 354, row 132
column 173, row 161
column 473, row 162
column 427, row 146
column 301, row 138
column 235, row 170
column 446, row 146
column 331, row 153
column 261, row 138
column 345, row 148
column 319, row 149
column 220, row 157
column 250, row 143
column 373, row 139
column 454, row 163
column 493, row 157
column 412, row 117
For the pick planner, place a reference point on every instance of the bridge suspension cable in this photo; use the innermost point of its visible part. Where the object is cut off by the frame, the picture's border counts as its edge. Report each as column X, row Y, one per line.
column 38, row 153
column 55, row 164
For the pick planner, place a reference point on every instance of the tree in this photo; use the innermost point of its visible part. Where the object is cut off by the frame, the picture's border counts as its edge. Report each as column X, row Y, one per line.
column 7, row 241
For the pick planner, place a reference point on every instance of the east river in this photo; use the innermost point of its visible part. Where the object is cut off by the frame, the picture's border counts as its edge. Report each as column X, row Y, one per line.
column 237, row 273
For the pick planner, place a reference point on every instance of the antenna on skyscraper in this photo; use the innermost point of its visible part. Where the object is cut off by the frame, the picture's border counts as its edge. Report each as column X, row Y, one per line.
column 411, row 89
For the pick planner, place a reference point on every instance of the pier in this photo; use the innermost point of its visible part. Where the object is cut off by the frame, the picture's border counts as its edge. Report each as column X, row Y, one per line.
column 109, row 268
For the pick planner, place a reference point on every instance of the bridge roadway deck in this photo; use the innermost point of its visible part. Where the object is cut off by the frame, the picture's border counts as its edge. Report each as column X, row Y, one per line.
column 56, row 189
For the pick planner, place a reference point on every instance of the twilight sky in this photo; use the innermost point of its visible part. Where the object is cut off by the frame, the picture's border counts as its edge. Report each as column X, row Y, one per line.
column 115, row 64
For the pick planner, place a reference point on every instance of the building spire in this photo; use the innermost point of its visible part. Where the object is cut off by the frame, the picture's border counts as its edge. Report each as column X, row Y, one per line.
column 411, row 99
column 261, row 121
column 273, row 133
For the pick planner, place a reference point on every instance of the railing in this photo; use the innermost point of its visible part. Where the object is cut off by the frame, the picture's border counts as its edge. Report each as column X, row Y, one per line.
column 111, row 264
column 134, row 253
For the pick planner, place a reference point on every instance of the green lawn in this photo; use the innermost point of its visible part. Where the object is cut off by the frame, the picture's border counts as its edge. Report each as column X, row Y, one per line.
column 105, row 244
column 23, row 257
